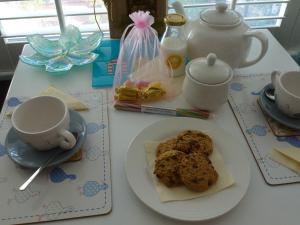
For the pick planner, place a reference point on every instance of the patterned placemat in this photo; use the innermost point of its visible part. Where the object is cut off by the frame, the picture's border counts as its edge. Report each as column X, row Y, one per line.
column 73, row 189
column 244, row 91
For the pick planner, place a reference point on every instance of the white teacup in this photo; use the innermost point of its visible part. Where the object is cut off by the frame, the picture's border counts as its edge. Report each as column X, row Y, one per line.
column 287, row 92
column 43, row 122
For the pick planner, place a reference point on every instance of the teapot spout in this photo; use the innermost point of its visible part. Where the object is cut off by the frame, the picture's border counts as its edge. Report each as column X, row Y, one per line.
column 178, row 8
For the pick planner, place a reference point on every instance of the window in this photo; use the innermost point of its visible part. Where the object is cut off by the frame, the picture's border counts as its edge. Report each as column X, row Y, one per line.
column 20, row 18
column 257, row 13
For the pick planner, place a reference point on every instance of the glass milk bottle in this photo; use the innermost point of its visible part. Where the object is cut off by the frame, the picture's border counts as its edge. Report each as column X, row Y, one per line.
column 174, row 43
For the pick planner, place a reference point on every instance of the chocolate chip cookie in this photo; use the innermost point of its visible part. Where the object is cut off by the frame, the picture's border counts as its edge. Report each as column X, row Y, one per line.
column 166, row 146
column 196, row 172
column 197, row 141
column 167, row 168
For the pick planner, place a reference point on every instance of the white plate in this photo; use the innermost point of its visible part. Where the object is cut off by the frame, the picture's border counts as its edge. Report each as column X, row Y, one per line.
column 199, row 209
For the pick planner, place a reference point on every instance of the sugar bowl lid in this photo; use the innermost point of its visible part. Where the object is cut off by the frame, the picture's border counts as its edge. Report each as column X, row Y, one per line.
column 209, row 70
column 221, row 16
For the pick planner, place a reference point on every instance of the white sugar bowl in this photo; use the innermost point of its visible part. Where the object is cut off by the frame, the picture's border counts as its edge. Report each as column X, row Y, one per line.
column 206, row 82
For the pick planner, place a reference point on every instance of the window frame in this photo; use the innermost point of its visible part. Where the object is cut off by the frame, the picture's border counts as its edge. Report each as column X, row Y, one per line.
column 115, row 27
column 15, row 38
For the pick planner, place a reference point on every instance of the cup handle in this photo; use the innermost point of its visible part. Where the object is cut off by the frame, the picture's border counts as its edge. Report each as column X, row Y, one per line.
column 264, row 47
column 67, row 140
column 274, row 76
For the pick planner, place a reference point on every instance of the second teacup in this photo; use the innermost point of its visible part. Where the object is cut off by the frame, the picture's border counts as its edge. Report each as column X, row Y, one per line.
column 43, row 122
column 287, row 92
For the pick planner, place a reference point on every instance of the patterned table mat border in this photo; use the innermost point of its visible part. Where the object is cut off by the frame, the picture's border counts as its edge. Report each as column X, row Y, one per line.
column 256, row 152
column 74, row 213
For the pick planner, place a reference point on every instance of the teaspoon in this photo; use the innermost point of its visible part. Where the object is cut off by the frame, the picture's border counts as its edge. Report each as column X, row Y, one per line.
column 37, row 172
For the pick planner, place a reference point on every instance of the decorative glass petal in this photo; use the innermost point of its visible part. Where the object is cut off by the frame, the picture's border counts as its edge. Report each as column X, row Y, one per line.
column 59, row 64
column 79, row 61
column 86, row 45
column 70, row 37
column 61, row 55
column 44, row 46
column 35, row 59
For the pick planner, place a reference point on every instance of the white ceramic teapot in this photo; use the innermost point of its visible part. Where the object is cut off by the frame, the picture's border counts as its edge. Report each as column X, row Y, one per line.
column 223, row 32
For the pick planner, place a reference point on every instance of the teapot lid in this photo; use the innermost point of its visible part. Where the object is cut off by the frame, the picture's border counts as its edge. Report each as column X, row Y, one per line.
column 221, row 16
column 209, row 70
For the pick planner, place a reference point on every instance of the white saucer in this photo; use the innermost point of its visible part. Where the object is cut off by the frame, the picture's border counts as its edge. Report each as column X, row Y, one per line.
column 24, row 155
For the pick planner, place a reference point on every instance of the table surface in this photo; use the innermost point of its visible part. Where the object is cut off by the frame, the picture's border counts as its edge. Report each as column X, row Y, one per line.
column 262, row 204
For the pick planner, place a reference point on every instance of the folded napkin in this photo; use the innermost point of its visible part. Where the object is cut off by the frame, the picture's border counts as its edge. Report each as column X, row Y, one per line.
column 288, row 157
column 71, row 102
column 166, row 194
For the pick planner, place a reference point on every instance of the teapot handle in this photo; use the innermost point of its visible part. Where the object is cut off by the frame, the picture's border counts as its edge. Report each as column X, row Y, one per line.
column 264, row 46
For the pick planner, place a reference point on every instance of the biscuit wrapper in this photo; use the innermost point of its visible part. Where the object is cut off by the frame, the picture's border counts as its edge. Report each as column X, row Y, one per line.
column 166, row 194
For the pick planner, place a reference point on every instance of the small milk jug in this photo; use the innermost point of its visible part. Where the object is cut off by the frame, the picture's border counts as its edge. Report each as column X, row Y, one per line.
column 174, row 44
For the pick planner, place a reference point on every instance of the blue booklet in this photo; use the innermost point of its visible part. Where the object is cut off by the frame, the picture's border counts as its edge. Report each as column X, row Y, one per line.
column 105, row 65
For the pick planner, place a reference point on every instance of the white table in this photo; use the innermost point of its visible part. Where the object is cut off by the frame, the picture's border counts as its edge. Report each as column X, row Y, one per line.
column 262, row 204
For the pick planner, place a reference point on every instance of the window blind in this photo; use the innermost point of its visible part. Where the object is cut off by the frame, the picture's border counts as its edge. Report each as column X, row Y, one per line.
column 257, row 13
column 19, row 18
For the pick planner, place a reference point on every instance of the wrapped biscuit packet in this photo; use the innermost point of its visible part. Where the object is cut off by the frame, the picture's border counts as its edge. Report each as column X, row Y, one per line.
column 141, row 74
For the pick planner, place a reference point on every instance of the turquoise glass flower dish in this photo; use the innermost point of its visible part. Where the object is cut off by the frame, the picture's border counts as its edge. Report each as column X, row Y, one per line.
column 62, row 54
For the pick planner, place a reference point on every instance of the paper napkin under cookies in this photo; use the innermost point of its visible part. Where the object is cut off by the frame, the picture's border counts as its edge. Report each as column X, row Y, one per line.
column 288, row 157
column 166, row 194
